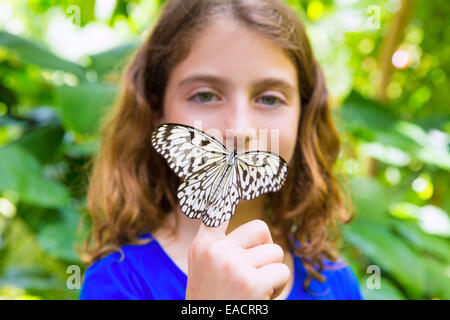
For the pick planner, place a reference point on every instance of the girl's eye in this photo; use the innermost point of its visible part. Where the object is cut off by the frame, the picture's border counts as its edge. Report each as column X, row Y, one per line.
column 205, row 96
column 270, row 99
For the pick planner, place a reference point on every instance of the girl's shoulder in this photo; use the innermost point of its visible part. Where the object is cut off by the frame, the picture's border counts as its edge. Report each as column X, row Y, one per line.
column 115, row 275
column 340, row 280
column 129, row 254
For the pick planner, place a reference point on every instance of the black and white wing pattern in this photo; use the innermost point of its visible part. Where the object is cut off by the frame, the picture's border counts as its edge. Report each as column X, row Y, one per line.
column 211, row 194
column 187, row 149
column 260, row 172
column 215, row 179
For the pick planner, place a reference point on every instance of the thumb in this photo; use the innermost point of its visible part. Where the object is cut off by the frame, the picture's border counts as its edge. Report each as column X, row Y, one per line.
column 212, row 233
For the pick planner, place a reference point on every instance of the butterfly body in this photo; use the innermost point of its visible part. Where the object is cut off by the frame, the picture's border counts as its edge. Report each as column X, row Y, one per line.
column 214, row 178
column 231, row 162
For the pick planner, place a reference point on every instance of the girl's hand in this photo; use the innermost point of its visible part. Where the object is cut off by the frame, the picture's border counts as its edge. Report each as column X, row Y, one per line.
column 245, row 264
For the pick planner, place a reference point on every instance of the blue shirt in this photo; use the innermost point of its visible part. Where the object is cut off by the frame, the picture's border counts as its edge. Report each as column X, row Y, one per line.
column 147, row 272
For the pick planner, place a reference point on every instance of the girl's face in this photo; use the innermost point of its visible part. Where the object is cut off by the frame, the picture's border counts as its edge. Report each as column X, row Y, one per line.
column 240, row 88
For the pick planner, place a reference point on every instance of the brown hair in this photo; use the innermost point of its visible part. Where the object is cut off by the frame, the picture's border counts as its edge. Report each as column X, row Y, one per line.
column 132, row 188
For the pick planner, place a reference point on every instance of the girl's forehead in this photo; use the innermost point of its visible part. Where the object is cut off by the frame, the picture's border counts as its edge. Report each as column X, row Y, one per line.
column 237, row 52
column 216, row 43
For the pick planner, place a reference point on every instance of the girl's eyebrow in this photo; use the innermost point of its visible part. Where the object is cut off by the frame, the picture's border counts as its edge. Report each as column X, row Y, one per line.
column 264, row 82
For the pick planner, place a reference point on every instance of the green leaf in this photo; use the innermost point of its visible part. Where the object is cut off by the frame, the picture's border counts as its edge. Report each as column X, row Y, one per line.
column 29, row 278
column 375, row 123
column 23, row 264
column 424, row 241
column 358, row 112
column 21, row 172
column 82, row 149
column 389, row 252
column 113, row 60
column 437, row 121
column 82, row 107
column 387, row 154
column 42, row 142
column 428, row 153
column 404, row 210
column 31, row 53
column 370, row 198
column 58, row 237
column 387, row 291
column 438, row 279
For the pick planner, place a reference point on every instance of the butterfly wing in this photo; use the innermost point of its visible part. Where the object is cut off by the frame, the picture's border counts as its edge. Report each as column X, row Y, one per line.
column 260, row 172
column 187, row 150
column 194, row 192
column 223, row 203
column 211, row 194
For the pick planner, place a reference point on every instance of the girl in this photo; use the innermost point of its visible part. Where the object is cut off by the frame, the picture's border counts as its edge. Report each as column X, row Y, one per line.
column 238, row 65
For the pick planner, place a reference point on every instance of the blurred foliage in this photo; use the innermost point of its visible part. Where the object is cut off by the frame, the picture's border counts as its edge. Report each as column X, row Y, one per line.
column 57, row 79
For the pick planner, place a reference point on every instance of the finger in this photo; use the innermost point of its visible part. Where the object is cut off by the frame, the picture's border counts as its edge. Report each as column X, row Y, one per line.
column 276, row 292
column 209, row 234
column 251, row 234
column 264, row 254
column 273, row 276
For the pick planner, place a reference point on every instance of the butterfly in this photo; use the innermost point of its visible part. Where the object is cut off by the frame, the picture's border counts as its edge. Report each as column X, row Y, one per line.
column 214, row 179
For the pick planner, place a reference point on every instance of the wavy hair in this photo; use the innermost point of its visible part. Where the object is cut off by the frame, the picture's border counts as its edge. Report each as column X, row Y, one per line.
column 132, row 189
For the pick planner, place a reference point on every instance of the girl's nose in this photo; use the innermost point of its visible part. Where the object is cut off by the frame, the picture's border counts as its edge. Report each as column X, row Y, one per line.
column 239, row 128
